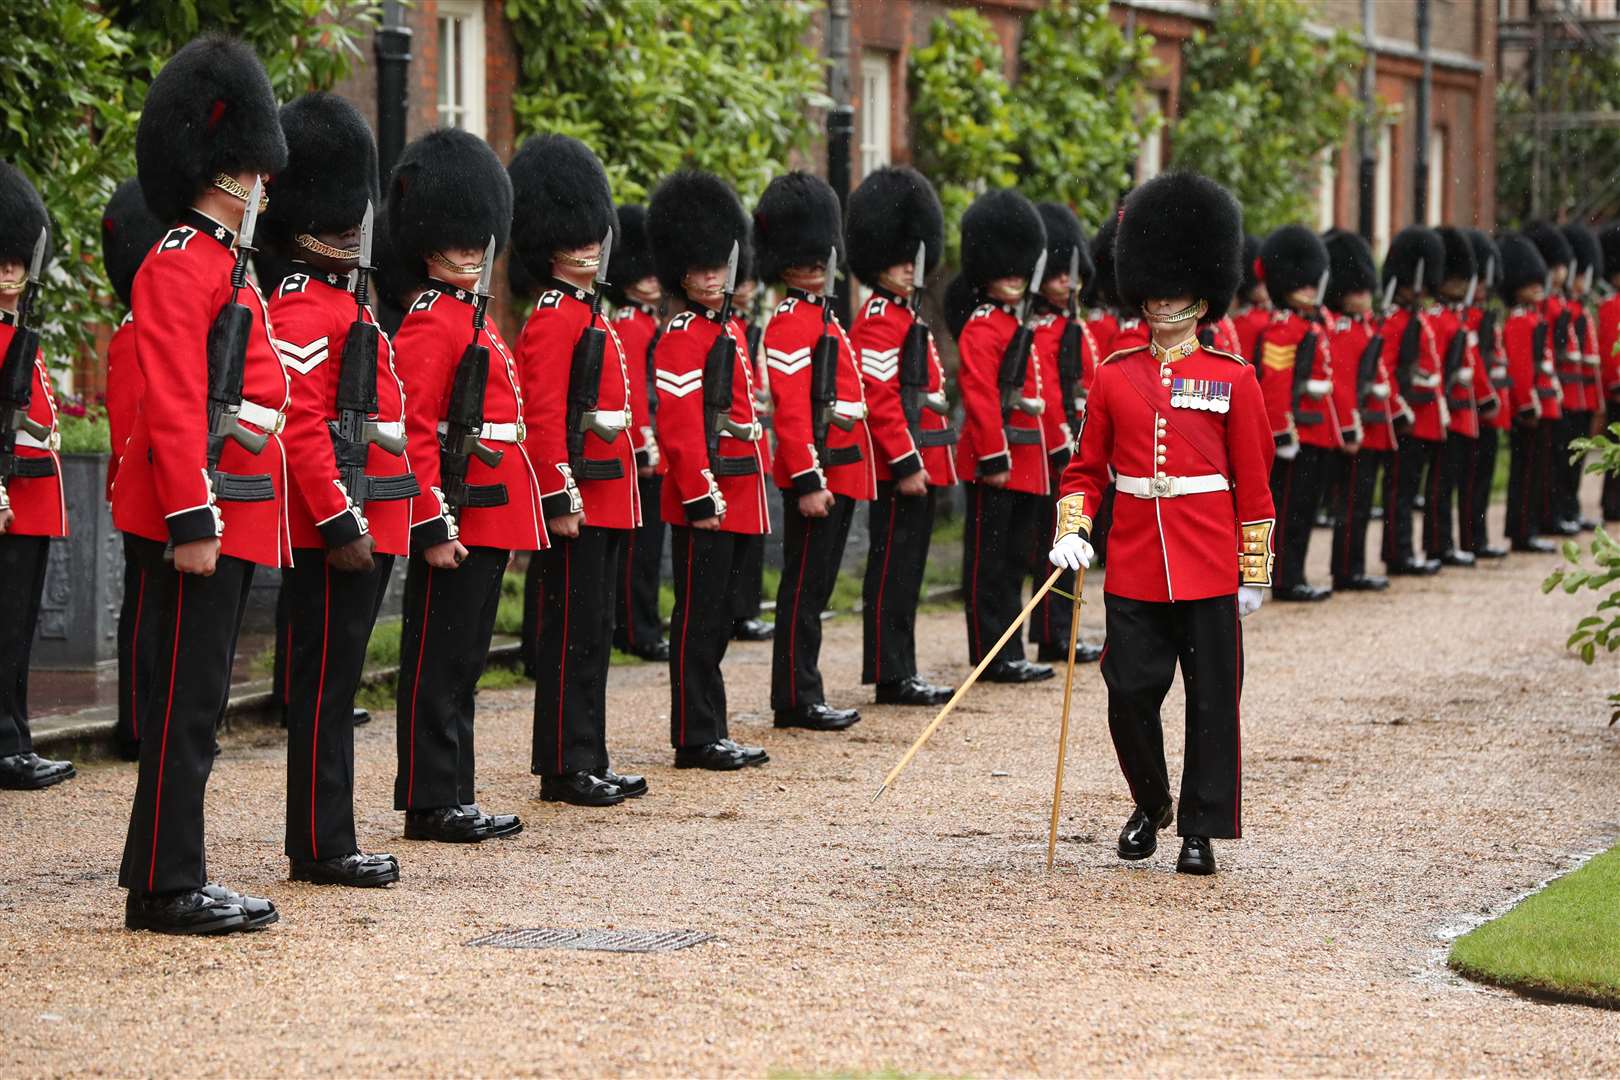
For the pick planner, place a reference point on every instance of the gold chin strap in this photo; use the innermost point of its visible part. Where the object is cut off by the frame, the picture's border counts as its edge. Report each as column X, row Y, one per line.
column 230, row 185
column 1072, row 519
column 11, row 288
column 701, row 294
column 578, row 263
column 464, row 269
column 1191, row 311
column 894, row 286
column 326, row 251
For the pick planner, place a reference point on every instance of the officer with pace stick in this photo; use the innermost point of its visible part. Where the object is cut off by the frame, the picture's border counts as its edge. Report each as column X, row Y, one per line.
column 1184, row 433
column 1491, row 386
column 896, row 233
column 1608, row 331
column 714, row 492
column 577, row 411
column 1533, row 388
column 1459, row 364
column 200, row 486
column 352, row 483
column 1411, row 271
column 449, row 208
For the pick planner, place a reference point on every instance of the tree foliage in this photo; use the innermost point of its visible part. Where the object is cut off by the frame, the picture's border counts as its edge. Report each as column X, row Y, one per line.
column 723, row 85
column 1261, row 98
column 1580, row 162
column 1597, row 634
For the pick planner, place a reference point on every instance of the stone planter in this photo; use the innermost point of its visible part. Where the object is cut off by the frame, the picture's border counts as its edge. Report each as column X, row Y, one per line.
column 84, row 580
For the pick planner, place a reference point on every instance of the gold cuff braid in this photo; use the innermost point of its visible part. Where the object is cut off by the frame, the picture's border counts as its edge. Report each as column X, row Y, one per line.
column 1072, row 519
column 1255, row 556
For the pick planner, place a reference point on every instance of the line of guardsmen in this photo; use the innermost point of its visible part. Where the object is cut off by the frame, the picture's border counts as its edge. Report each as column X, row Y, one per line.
column 288, row 429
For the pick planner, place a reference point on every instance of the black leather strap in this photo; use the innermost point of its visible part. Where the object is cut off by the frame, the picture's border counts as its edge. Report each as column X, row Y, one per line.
column 736, row 466
column 943, row 437
column 1023, row 436
column 486, row 495
column 231, row 488
column 600, row 469
column 392, row 488
column 843, row 455
column 34, row 468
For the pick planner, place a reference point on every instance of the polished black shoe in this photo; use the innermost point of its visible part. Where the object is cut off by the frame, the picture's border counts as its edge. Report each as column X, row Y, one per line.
column 444, row 825
column 1411, row 568
column 633, row 787
column 1535, row 545
column 821, row 717
column 1564, row 528
column 259, row 911
column 752, row 630
column 580, row 789
column 1361, row 583
column 1140, row 836
column 492, row 825
column 1457, row 558
column 1053, row 652
column 359, row 870
column 912, row 691
column 361, row 716
column 1197, row 857
column 1302, row 593
column 752, row 755
column 1017, row 671
column 656, row 653
column 1588, row 524
column 715, row 756
column 194, row 912
column 1490, row 551
column 30, row 772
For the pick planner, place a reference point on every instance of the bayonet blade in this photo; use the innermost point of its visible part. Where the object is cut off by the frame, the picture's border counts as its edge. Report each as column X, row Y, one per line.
column 1074, row 268
column 831, row 283
column 1032, row 287
column 38, row 261
column 1389, row 291
column 250, row 216
column 602, row 260
column 1321, row 287
column 1490, row 270
column 1586, row 286
column 1417, row 278
column 488, row 268
column 365, row 237
column 919, row 267
column 731, row 268
column 1473, row 285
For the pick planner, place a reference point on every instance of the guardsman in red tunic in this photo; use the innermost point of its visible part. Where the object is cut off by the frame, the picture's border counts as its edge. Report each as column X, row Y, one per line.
column 1364, row 401
column 633, row 286
column 824, row 450
column 32, row 507
column 1253, row 303
column 1608, row 331
column 1554, row 495
column 1414, row 263
column 714, row 497
column 350, row 506
column 1459, row 363
column 1296, row 380
column 128, row 233
column 199, row 523
column 1491, row 386
column 1587, row 269
column 1532, row 387
column 448, row 199
column 576, row 407
column 891, row 213
column 1001, row 456
column 1182, row 433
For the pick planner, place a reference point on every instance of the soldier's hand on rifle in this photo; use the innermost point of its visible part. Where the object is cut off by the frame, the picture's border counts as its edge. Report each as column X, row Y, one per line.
column 353, row 557
column 197, row 557
column 445, row 556
column 996, row 480
column 565, row 525
column 817, row 504
column 915, row 484
column 708, row 524
column 6, row 517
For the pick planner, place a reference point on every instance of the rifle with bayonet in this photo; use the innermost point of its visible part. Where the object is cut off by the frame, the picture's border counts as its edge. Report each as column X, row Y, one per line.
column 1305, row 354
column 1411, row 344
column 914, row 359
column 824, row 369
column 1014, row 370
column 464, row 420
column 1457, row 348
column 719, row 380
column 17, row 376
column 227, row 365
column 1069, row 362
column 585, row 386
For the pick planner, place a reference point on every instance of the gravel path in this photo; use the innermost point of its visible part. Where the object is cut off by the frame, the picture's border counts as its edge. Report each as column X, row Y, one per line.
column 1413, row 760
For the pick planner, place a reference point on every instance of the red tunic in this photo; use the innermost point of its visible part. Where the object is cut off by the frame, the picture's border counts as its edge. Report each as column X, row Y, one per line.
column 985, row 448
column 36, row 502
column 1608, row 334
column 1372, row 414
column 1490, row 378
column 1103, row 327
column 790, row 345
column 1186, row 547
column 163, row 491
column 1313, row 419
column 313, row 312
column 637, row 327
column 1533, row 381
column 1420, row 382
column 878, row 338
column 1585, row 334
column 1462, row 409
column 691, row 490
column 1248, row 322
column 429, row 344
column 545, row 355
column 1566, row 353
column 124, row 389
column 1049, row 329
column 1131, row 332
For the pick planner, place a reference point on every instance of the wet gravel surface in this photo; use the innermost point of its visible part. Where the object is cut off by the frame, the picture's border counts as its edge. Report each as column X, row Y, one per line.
column 1414, row 760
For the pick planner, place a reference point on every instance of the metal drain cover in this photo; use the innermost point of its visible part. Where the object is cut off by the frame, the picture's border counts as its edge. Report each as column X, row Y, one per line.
column 630, row 941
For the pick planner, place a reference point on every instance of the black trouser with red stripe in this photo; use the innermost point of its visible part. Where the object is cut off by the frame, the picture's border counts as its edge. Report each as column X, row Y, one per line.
column 1358, row 480
column 1550, row 454
column 280, row 673
column 997, row 533
column 22, row 589
column 1146, row 641
column 134, row 661
column 193, row 644
column 900, row 527
column 1297, row 486
column 1101, row 522
column 1442, row 469
column 748, row 581
column 1611, row 480
column 1475, row 500
column 705, row 564
column 1049, row 622
column 1567, row 473
column 636, row 624
column 1523, row 506
column 812, row 549
column 330, row 614
column 444, row 645
column 573, row 650
column 1402, row 482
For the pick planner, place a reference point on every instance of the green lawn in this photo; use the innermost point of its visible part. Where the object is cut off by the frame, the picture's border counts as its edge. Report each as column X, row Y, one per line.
column 1563, row 942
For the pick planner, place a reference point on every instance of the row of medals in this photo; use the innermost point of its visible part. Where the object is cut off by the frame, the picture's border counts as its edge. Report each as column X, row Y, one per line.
column 1205, row 395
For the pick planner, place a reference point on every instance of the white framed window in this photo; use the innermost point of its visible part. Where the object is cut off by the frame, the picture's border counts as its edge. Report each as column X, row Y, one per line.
column 1327, row 189
column 1150, row 155
column 461, row 65
column 1435, row 210
column 875, row 138
column 1383, row 189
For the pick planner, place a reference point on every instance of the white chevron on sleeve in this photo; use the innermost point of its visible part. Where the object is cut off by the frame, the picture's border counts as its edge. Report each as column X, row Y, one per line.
column 881, row 364
column 788, row 363
column 302, row 358
column 678, row 384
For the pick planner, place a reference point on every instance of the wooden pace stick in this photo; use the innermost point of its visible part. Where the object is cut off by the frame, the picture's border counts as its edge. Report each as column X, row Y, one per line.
column 1063, row 728
column 989, row 657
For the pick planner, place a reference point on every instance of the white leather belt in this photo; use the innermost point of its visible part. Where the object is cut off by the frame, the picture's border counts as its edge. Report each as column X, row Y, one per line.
column 1169, row 487
column 1464, row 374
column 1318, row 387
column 51, row 442
column 612, row 421
column 1546, row 367
column 394, row 429
column 1425, row 381
column 507, row 433
column 1380, row 390
column 852, row 410
column 266, row 420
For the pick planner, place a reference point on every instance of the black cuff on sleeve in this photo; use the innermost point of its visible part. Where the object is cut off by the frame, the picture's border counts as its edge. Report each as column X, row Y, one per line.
column 991, row 466
column 808, row 482
column 429, row 533
column 906, row 466
column 194, row 524
column 701, row 509
column 1059, row 458
column 341, row 529
column 555, row 505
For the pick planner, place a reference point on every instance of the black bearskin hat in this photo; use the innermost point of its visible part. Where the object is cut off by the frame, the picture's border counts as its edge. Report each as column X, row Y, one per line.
column 523, row 285
column 1459, row 253
column 1251, row 265
column 393, row 280
column 1100, row 289
column 1522, row 264
column 1585, row 247
column 209, row 111
column 1002, row 236
column 128, row 233
column 22, row 215
column 1291, row 258
column 1552, row 244
column 632, row 256
column 331, row 170
column 1350, row 267
column 1063, row 236
column 449, row 190
column 693, row 219
column 1411, row 245
column 892, row 211
column 560, row 200
column 961, row 297
column 796, row 223
column 1609, row 248
column 1180, row 234
column 1487, row 259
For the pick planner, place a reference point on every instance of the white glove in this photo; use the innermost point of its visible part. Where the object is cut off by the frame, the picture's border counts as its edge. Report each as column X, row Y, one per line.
column 1071, row 552
column 1289, row 450
column 1249, row 599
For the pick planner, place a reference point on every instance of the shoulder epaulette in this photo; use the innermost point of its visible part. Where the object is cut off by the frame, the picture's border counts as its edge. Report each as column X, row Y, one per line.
column 549, row 299
column 1123, row 352
column 293, row 283
column 177, row 238
column 426, row 301
column 981, row 311
column 680, row 322
column 1224, row 355
column 875, row 307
